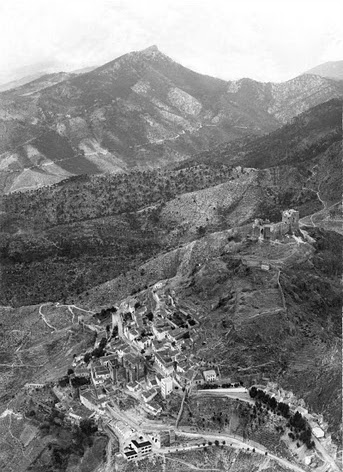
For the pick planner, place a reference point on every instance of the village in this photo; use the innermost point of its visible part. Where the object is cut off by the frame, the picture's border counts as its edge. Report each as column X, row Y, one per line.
column 133, row 382
column 141, row 362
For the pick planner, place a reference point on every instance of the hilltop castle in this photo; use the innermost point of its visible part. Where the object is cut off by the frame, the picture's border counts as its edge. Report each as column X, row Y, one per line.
column 264, row 230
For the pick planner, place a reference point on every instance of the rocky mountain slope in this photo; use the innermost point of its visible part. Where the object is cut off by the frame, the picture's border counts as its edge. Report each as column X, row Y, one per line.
column 297, row 143
column 140, row 110
column 331, row 69
column 64, row 238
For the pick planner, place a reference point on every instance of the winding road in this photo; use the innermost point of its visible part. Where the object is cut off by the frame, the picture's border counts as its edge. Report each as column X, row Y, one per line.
column 241, row 444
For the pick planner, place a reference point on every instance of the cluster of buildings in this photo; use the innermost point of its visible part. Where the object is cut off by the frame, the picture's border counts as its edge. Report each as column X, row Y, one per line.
column 149, row 359
column 135, row 445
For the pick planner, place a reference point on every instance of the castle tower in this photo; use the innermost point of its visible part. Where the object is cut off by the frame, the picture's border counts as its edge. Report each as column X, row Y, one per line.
column 291, row 219
column 120, row 324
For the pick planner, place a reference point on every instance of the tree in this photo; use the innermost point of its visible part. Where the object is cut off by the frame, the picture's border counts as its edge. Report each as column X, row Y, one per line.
column 87, row 357
column 88, row 427
column 70, row 372
column 273, row 403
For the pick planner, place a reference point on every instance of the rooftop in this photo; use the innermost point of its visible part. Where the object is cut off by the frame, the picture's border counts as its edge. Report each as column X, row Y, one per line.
column 130, row 453
column 141, row 444
column 100, row 370
column 149, row 393
column 164, row 357
column 209, row 372
column 154, row 405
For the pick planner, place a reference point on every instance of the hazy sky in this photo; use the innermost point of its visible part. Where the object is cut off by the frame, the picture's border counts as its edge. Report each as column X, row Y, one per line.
column 262, row 39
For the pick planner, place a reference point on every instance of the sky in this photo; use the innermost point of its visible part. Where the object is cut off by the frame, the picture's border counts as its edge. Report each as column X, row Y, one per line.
column 267, row 40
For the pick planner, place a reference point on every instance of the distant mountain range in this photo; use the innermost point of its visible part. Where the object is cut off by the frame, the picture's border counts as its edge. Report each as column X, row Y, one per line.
column 142, row 110
column 332, row 70
column 34, row 75
column 296, row 143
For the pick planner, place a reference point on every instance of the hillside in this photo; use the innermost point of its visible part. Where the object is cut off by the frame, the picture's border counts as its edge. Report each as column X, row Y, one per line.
column 90, row 241
column 249, row 330
column 331, row 69
column 282, row 325
column 64, row 239
column 297, row 143
column 141, row 110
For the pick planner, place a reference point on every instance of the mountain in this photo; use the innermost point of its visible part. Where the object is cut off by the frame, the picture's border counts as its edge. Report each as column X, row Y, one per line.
column 91, row 241
column 142, row 110
column 62, row 239
column 59, row 76
column 40, row 83
column 296, row 143
column 331, row 70
column 19, row 82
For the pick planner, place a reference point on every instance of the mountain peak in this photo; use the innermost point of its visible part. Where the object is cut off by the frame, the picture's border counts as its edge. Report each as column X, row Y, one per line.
column 150, row 52
column 152, row 48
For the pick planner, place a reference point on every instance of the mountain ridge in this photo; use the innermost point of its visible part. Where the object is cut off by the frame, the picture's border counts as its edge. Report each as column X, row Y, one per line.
column 330, row 69
column 140, row 110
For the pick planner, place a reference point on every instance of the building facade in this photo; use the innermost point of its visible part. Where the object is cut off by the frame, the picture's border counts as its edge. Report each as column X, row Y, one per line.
column 166, row 386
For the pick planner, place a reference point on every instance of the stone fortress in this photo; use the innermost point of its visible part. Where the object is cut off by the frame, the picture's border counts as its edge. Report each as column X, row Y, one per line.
column 264, row 230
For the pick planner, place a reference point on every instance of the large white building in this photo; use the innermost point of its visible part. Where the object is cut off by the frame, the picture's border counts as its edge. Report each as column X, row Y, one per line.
column 166, row 386
column 209, row 375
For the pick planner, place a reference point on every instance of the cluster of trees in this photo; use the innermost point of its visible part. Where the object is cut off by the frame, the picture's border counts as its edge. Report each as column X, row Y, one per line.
column 232, row 385
column 54, row 419
column 271, row 402
column 98, row 196
column 301, row 430
column 297, row 423
column 105, row 312
column 210, row 386
column 97, row 352
column 75, row 381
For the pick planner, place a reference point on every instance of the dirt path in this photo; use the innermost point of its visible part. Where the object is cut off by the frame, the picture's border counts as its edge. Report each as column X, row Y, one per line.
column 44, row 319
column 310, row 218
